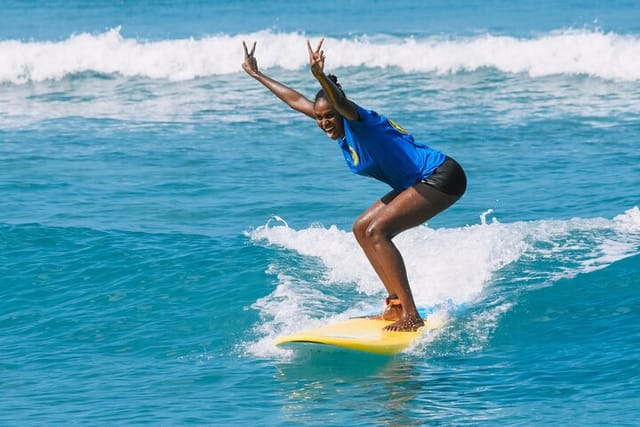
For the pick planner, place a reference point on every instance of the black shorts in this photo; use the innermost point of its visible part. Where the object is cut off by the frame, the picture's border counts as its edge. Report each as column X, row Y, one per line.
column 449, row 178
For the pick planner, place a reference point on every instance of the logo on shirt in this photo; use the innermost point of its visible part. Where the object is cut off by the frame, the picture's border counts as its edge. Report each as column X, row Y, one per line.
column 354, row 156
column 397, row 127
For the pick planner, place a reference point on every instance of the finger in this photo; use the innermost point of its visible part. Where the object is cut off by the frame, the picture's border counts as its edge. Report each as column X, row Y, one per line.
column 246, row 52
column 320, row 45
column 309, row 48
column 253, row 49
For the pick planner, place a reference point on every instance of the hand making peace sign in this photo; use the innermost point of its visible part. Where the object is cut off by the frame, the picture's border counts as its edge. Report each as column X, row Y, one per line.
column 250, row 64
column 316, row 58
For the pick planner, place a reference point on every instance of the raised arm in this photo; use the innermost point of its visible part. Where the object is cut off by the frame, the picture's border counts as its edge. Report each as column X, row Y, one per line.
column 336, row 97
column 291, row 97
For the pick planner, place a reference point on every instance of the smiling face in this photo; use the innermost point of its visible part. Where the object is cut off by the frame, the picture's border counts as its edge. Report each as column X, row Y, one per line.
column 328, row 120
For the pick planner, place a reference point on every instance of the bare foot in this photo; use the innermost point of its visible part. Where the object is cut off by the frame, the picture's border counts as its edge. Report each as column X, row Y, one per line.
column 406, row 324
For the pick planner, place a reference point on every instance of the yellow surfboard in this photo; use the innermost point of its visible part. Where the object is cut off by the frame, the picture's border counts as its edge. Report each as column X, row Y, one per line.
column 359, row 334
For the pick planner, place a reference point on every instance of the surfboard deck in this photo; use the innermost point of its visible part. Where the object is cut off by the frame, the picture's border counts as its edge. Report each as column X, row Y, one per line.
column 358, row 334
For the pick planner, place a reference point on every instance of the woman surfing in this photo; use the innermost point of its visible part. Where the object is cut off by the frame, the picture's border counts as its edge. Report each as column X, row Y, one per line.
column 424, row 181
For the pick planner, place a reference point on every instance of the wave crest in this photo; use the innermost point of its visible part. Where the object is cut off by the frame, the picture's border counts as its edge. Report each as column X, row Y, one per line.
column 594, row 53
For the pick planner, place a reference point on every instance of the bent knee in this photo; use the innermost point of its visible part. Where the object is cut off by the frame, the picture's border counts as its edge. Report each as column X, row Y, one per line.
column 369, row 231
column 359, row 228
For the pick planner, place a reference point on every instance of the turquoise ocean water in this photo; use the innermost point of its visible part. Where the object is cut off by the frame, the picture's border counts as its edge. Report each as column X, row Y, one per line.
column 164, row 217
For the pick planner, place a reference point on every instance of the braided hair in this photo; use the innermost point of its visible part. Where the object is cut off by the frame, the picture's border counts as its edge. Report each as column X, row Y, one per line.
column 323, row 95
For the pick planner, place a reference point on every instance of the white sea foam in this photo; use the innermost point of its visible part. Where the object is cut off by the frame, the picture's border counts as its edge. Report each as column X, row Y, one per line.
column 589, row 52
column 448, row 267
column 444, row 265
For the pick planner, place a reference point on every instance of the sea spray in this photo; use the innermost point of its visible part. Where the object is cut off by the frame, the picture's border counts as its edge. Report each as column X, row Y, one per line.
column 606, row 55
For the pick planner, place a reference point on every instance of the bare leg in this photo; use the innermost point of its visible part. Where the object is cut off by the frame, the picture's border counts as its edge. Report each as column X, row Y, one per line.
column 375, row 229
column 359, row 230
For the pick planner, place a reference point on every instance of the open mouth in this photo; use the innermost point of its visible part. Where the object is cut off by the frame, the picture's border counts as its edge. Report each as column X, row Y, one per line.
column 330, row 131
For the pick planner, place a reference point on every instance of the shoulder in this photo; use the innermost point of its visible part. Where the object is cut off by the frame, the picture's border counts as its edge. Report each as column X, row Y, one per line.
column 364, row 114
column 368, row 117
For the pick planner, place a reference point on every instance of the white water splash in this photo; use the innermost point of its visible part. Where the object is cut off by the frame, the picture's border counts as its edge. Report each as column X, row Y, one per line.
column 450, row 267
column 594, row 53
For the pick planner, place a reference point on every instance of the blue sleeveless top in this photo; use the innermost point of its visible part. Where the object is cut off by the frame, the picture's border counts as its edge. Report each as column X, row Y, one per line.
column 377, row 147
